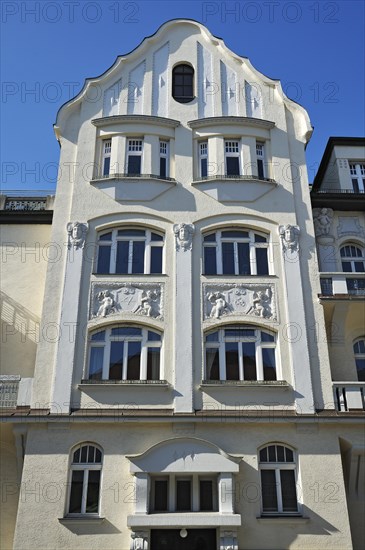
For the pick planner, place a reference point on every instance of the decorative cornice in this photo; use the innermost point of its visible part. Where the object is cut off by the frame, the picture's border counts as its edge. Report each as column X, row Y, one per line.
column 231, row 120
column 136, row 119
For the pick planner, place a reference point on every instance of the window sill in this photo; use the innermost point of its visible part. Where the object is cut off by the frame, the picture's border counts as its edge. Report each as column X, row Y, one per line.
column 81, row 519
column 283, row 519
column 185, row 519
column 219, row 384
column 87, row 384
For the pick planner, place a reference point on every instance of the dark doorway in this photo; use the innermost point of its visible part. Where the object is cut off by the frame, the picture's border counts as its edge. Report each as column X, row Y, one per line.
column 196, row 539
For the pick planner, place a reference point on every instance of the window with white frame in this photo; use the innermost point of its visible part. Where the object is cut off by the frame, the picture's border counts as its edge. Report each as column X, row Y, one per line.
column 357, row 173
column 164, row 159
column 232, row 157
column 130, row 251
column 260, row 159
column 134, row 156
column 107, row 148
column 203, row 159
column 235, row 252
column 359, row 354
column 240, row 353
column 124, row 352
column 278, row 480
column 181, row 493
column 352, row 259
column 85, row 480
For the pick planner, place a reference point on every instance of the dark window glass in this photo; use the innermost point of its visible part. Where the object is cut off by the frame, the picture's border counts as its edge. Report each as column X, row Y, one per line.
column 116, row 361
column 204, row 167
column 266, row 337
column 232, row 166
column 122, row 257
column 239, row 333
column 76, row 457
column 98, row 336
column 260, row 169
column 206, row 495
column 244, row 259
column 249, row 361
column 156, row 259
column 161, row 495
column 154, row 336
column 269, row 496
column 138, row 257
column 76, row 491
column 93, row 486
column 288, row 491
column 153, row 364
column 272, row 453
column 212, row 364
column 163, row 166
column 210, row 260
column 355, row 185
column 268, row 360
column 131, row 233
column 183, row 83
column 228, row 258
column 210, row 238
column 134, row 165
column 289, row 456
column 133, row 361
column 261, row 261
column 105, row 237
column 280, row 452
column 263, row 455
column 232, row 364
column 96, row 363
column 91, row 454
column 359, row 267
column 106, row 167
column 212, row 337
column 126, row 331
column 84, row 453
column 104, row 259
column 156, row 237
column 234, row 234
column 97, row 456
column 183, row 495
column 346, row 266
column 360, row 367
column 260, row 239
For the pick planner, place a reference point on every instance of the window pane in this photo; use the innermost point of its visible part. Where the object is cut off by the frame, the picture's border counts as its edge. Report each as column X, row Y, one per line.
column 206, row 495
column 239, row 333
column 234, row 234
column 210, row 238
column 96, row 363
column 261, row 261
column 212, row 364
column 228, row 258
column 104, row 259
column 289, row 456
column 116, row 361
column 84, row 454
column 105, row 237
column 97, row 456
column 263, row 455
column 161, row 495
column 272, row 453
column 163, row 162
column 260, row 169
column 134, row 164
column 360, row 367
column 156, row 259
column 266, row 337
column 106, row 166
column 268, row 360
column 359, row 267
column 93, row 486
column 154, row 336
column 134, row 359
column 122, row 257
column 183, row 495
column 156, row 237
column 232, row 166
column 244, row 259
column 91, row 454
column 260, row 239
column 232, row 364
column 76, row 457
column 203, row 168
column 249, row 361
column 126, row 331
column 212, row 337
column 346, row 266
column 269, row 495
column 210, row 260
column 131, row 233
column 76, row 491
column 281, row 453
column 98, row 336
column 288, row 491
column 153, row 364
column 138, row 257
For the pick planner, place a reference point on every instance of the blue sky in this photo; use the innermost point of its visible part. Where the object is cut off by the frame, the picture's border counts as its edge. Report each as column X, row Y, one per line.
column 316, row 49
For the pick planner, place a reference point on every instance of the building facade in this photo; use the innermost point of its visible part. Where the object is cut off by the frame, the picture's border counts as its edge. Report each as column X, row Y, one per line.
column 180, row 392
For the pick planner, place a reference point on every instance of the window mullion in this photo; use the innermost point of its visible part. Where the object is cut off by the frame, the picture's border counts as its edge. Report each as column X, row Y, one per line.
column 222, row 360
column 235, row 254
column 106, row 356
column 219, row 258
column 84, row 491
column 113, row 252
column 125, row 360
column 172, row 493
column 278, row 490
column 130, row 257
column 240, row 361
column 143, row 359
column 259, row 364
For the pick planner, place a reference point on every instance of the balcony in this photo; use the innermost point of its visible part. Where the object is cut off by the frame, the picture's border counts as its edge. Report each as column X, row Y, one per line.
column 338, row 199
column 342, row 285
column 15, row 391
column 349, row 396
column 21, row 206
column 133, row 187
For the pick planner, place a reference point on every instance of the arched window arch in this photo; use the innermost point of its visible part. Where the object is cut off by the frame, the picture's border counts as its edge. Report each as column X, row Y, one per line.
column 235, row 251
column 183, row 83
column 352, row 258
column 359, row 354
column 240, row 352
column 278, row 479
column 130, row 250
column 124, row 352
column 85, row 475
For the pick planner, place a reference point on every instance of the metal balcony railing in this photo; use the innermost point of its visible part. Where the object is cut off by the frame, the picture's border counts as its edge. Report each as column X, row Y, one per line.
column 340, row 191
column 233, row 177
column 120, row 176
column 349, row 396
column 352, row 284
column 9, row 387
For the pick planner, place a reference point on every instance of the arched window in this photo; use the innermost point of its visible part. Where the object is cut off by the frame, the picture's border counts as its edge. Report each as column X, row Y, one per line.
column 235, row 252
column 85, row 479
column 240, row 353
column 130, row 251
column 352, row 259
column 125, row 352
column 359, row 353
column 183, row 83
column 278, row 480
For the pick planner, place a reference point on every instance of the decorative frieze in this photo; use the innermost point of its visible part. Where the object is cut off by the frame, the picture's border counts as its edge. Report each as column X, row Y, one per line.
column 144, row 299
column 228, row 299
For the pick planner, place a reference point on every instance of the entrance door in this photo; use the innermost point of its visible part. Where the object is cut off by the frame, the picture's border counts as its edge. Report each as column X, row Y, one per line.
column 196, row 539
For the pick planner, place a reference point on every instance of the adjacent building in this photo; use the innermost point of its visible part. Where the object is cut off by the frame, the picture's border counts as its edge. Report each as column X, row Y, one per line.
column 187, row 375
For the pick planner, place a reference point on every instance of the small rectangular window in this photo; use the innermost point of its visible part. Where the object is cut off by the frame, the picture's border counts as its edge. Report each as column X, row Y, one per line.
column 134, row 157
column 161, row 487
column 269, row 492
column 203, row 159
column 164, row 148
column 206, row 495
column 183, row 495
column 232, row 158
column 107, row 147
column 260, row 158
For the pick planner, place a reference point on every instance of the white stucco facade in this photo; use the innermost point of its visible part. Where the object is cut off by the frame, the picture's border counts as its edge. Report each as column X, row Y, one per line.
column 182, row 333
